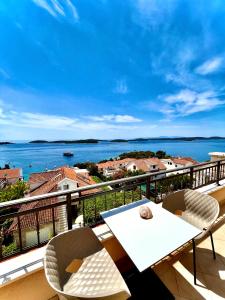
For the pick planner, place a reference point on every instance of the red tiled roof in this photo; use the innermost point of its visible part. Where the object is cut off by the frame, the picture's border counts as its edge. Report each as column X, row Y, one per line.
column 114, row 163
column 183, row 161
column 145, row 163
column 156, row 161
column 29, row 220
column 11, row 173
column 49, row 184
column 195, row 162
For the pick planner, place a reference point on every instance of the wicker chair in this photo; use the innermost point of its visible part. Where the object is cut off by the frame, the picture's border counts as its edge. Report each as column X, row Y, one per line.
column 198, row 209
column 97, row 277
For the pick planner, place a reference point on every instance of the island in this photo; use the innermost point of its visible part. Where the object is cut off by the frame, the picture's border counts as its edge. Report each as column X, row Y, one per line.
column 87, row 141
column 38, row 142
column 119, row 141
column 6, row 143
column 149, row 139
column 187, row 139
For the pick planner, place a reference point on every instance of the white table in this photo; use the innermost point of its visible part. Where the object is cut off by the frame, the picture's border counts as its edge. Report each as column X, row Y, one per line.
column 148, row 241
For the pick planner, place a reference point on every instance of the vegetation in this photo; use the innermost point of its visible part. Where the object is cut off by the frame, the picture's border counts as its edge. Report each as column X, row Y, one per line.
column 144, row 154
column 99, row 180
column 137, row 154
column 161, row 154
column 10, row 249
column 105, row 160
column 10, row 192
column 90, row 166
column 94, row 205
column 173, row 183
column 124, row 173
column 13, row 191
column 6, row 167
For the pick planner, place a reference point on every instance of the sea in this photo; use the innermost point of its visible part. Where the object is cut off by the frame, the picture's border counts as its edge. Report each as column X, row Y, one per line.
column 40, row 157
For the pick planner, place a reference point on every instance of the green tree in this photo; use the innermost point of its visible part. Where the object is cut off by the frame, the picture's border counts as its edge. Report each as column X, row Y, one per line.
column 160, row 154
column 90, row 166
column 137, row 154
column 13, row 191
column 134, row 173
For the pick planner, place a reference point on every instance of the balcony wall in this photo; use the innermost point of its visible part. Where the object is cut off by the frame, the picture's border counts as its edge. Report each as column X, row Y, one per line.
column 33, row 286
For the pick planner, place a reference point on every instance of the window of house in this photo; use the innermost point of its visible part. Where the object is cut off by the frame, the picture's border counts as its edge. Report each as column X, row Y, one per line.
column 153, row 167
column 134, row 167
column 66, row 186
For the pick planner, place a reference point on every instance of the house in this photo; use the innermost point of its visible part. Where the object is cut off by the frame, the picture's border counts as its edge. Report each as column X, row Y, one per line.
column 63, row 178
column 178, row 162
column 110, row 168
column 216, row 155
column 10, row 176
column 147, row 165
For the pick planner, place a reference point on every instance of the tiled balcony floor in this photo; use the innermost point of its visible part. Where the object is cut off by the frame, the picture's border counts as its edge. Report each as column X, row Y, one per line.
column 177, row 271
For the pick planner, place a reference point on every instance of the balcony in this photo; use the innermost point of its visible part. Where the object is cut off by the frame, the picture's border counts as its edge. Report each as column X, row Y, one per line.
column 22, row 275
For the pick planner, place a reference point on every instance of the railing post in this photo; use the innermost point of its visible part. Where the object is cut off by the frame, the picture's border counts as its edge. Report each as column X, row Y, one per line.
column 69, row 211
column 148, row 190
column 218, row 173
column 191, row 177
column 1, row 241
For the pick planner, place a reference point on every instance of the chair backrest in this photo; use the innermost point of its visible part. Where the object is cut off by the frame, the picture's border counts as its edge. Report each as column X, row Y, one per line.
column 62, row 249
column 199, row 209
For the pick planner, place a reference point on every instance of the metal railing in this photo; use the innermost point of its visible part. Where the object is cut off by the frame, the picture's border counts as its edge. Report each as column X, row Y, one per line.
column 30, row 222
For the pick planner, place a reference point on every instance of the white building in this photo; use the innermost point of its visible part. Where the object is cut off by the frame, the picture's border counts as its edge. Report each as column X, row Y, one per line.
column 216, row 155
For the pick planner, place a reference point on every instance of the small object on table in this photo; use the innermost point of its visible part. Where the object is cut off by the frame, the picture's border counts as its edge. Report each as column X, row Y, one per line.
column 145, row 212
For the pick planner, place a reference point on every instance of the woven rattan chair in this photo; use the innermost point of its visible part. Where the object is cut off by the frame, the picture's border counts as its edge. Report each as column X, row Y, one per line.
column 96, row 278
column 196, row 208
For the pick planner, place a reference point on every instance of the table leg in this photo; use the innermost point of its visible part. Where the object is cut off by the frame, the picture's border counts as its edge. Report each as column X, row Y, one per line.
column 194, row 260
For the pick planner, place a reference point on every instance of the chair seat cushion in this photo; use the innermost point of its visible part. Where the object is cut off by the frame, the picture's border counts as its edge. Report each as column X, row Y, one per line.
column 194, row 219
column 98, row 276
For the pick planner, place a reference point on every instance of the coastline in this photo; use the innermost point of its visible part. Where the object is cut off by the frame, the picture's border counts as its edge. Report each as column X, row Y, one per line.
column 40, row 157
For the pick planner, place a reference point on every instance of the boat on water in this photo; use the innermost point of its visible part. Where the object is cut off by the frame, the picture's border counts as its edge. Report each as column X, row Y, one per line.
column 68, row 154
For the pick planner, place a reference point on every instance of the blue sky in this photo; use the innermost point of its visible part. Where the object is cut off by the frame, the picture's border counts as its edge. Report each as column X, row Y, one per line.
column 111, row 69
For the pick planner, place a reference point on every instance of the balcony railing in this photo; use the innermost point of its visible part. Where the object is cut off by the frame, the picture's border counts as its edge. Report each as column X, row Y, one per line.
column 30, row 222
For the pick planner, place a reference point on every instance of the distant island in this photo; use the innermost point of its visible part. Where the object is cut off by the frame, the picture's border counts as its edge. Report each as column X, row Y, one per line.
column 87, row 141
column 5, row 143
column 95, row 141
column 38, row 142
column 177, row 139
column 119, row 141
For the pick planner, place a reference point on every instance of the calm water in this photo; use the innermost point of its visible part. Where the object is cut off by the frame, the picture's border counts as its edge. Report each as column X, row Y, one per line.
column 38, row 157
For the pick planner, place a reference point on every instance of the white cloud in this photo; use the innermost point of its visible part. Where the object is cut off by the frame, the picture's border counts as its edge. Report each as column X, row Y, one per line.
column 1, row 113
column 73, row 10
column 56, row 9
column 35, row 120
column 43, row 4
column 188, row 102
column 210, row 66
column 15, row 119
column 114, row 118
column 4, row 73
column 121, row 87
column 152, row 13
